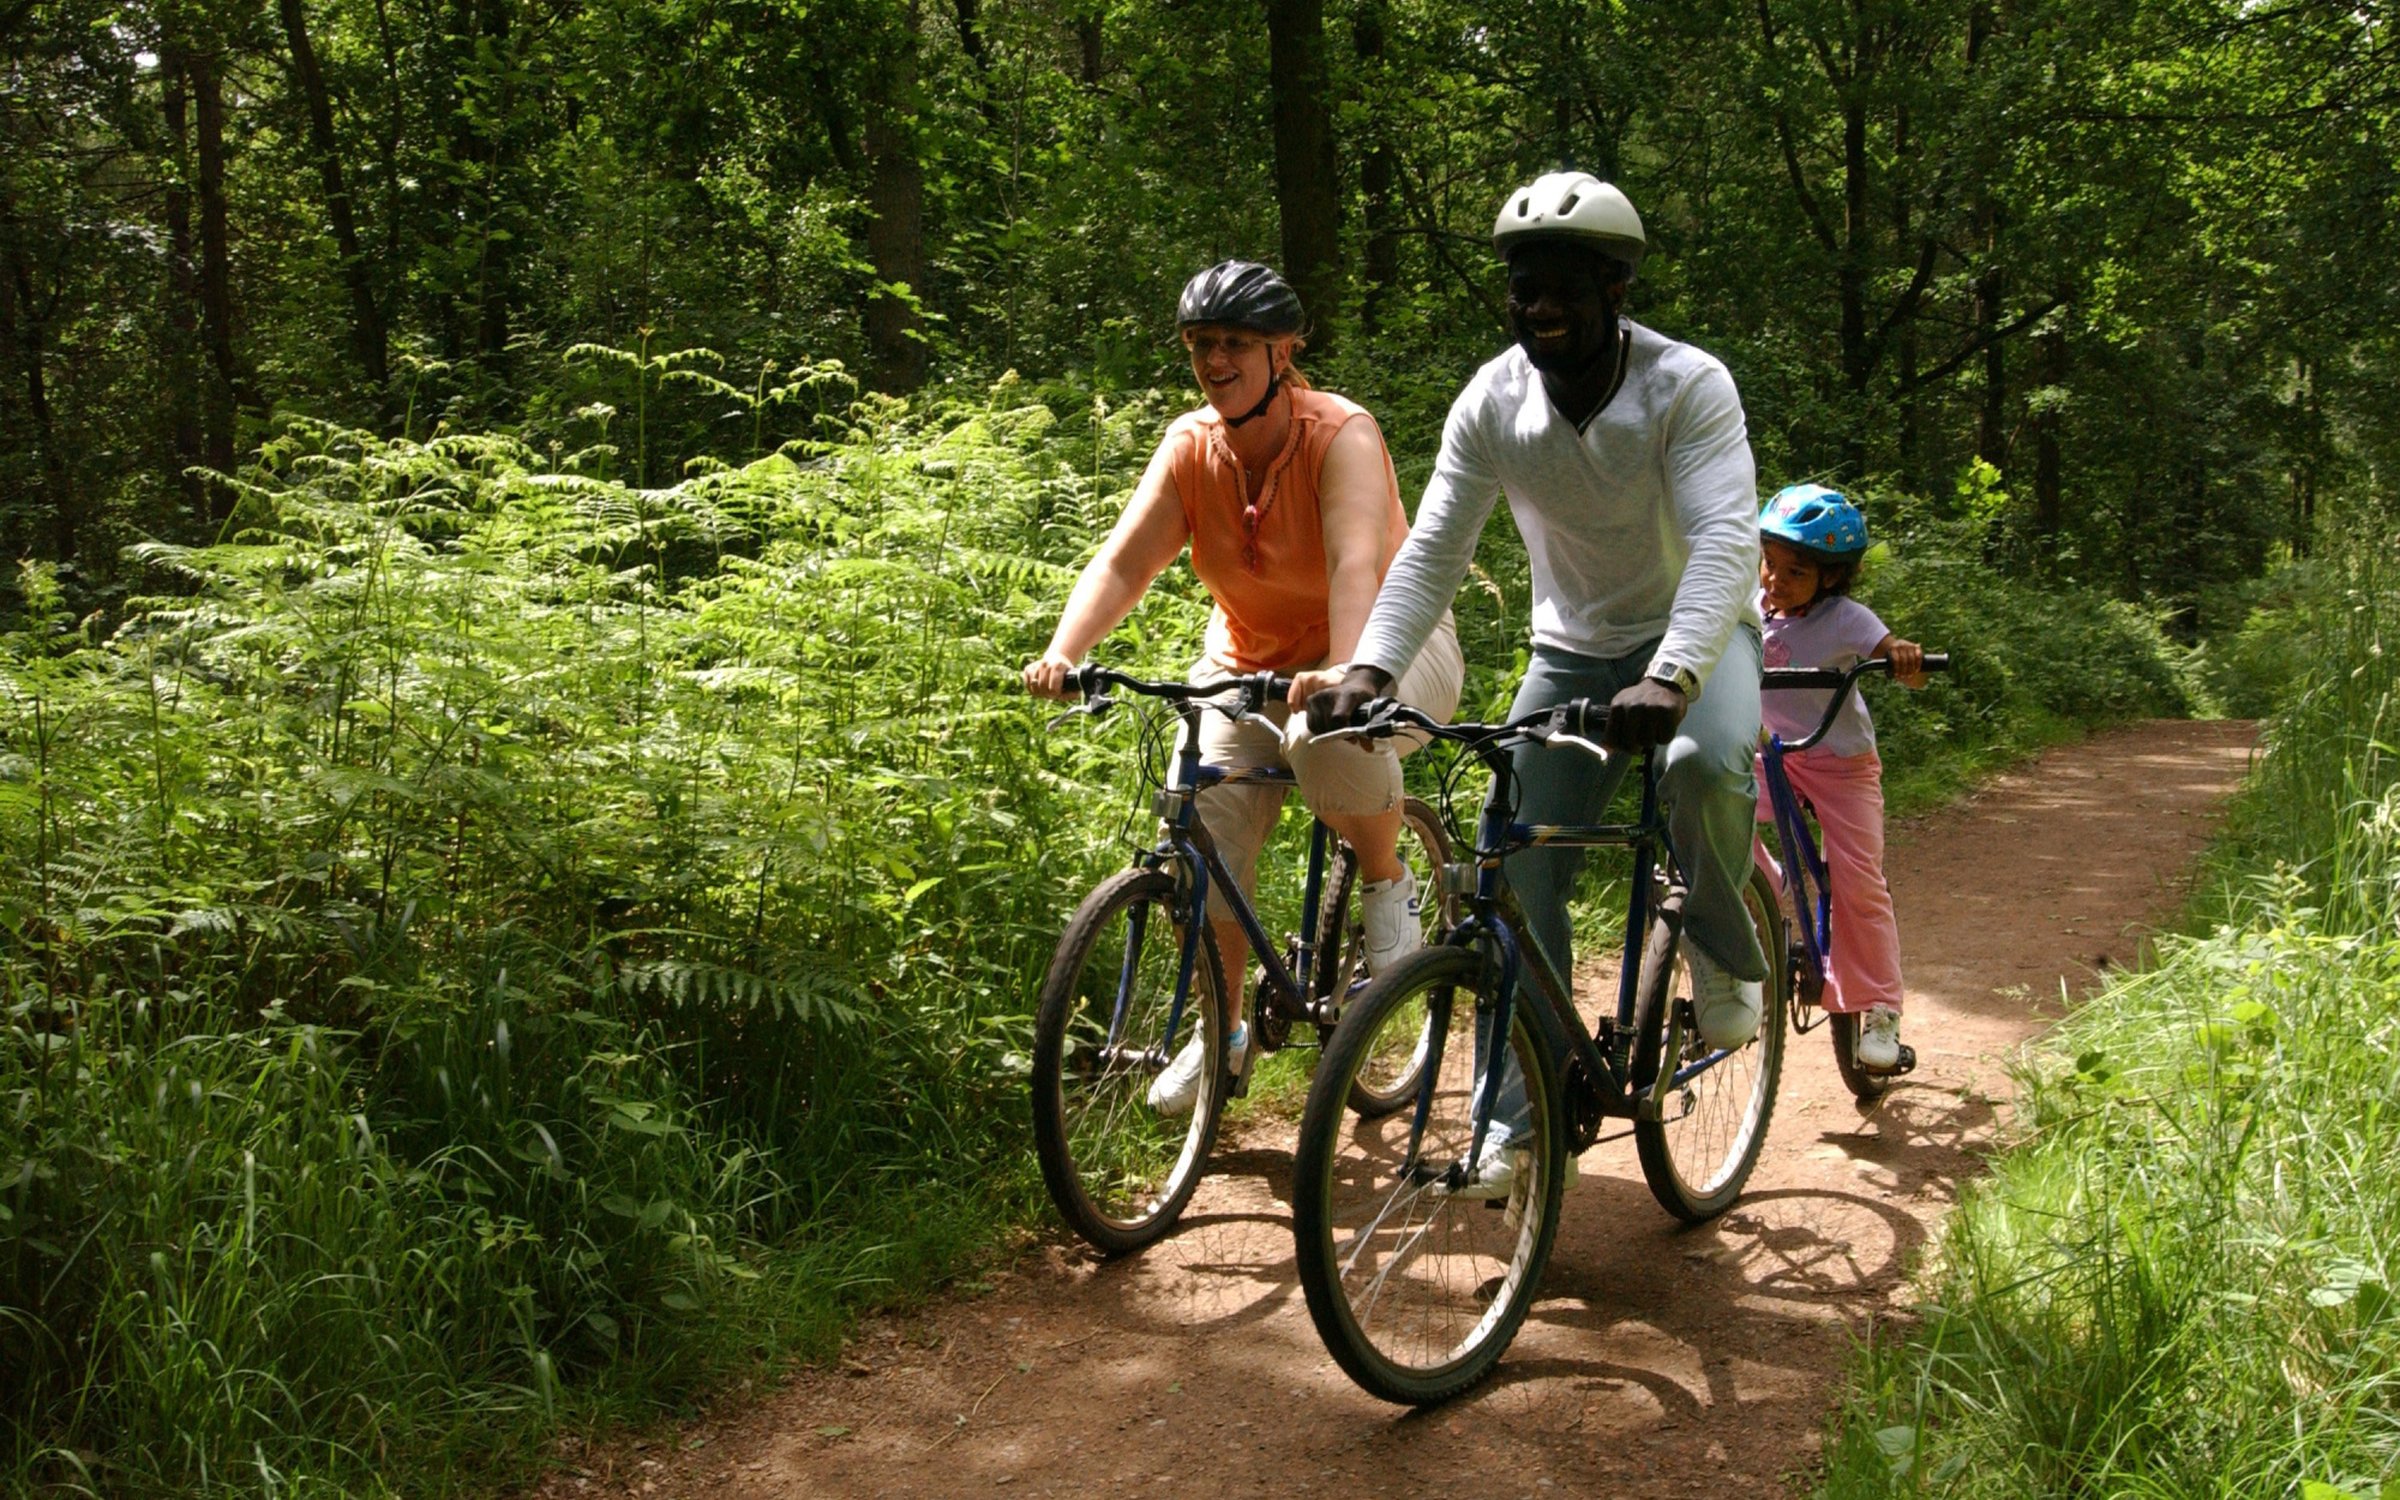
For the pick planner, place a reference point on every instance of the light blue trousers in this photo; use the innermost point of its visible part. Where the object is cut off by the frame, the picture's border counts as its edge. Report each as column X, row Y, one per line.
column 1705, row 783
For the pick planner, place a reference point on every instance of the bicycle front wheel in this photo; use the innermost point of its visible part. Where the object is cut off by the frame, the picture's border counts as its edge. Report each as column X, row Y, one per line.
column 1387, row 1079
column 1701, row 1129
column 1865, row 1084
column 1419, row 1267
column 1119, row 1169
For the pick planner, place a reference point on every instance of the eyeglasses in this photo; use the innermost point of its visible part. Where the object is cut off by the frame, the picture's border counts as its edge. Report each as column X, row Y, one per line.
column 1232, row 345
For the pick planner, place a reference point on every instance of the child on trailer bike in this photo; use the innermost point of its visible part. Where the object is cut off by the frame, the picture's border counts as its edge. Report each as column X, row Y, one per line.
column 1812, row 539
column 1288, row 501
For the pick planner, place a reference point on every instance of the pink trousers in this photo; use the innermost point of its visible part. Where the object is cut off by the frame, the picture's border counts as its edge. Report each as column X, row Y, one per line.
column 1846, row 792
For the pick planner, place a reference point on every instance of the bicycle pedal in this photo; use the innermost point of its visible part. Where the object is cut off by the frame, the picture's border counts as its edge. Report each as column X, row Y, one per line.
column 1906, row 1064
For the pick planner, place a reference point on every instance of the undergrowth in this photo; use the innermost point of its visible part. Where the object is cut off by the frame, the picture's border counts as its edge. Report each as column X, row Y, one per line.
column 2180, row 1282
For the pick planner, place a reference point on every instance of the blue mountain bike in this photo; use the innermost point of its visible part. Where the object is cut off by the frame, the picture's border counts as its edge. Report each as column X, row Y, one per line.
column 1137, row 975
column 1803, row 874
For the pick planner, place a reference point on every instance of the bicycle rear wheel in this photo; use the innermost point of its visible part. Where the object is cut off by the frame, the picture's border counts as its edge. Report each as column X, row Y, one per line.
column 1416, row 1286
column 1119, row 1171
column 1699, row 1136
column 1388, row 1079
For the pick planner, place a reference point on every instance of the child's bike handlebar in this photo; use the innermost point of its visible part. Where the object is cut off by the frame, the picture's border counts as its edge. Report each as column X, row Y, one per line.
column 1843, row 682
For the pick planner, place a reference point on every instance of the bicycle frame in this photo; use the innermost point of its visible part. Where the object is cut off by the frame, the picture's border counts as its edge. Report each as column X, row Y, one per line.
column 1604, row 1081
column 1803, row 874
column 1184, row 842
column 1804, row 868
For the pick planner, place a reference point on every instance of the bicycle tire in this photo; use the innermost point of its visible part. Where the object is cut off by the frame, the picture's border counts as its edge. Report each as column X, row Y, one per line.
column 1700, row 1140
column 1119, row 1172
column 1864, row 1083
column 1390, row 1080
column 1416, row 1290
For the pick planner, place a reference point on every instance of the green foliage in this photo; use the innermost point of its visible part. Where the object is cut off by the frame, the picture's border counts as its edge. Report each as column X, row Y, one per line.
column 2180, row 1282
column 493, row 932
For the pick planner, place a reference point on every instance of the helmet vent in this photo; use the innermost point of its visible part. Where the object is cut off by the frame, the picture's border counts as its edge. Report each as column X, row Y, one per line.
column 1524, row 205
column 1567, row 204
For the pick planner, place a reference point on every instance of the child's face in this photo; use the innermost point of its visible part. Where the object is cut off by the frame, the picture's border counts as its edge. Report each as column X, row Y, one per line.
column 1789, row 576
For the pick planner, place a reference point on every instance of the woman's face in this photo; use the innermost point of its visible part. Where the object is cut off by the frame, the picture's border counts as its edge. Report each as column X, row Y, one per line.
column 1233, row 365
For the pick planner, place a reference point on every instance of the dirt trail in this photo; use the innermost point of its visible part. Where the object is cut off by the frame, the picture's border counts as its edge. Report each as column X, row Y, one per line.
column 1658, row 1362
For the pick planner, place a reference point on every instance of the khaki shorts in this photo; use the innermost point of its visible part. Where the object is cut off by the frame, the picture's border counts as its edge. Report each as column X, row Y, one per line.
column 1345, row 778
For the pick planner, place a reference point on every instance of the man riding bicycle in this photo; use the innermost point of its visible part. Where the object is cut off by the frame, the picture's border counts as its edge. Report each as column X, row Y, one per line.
column 1626, row 461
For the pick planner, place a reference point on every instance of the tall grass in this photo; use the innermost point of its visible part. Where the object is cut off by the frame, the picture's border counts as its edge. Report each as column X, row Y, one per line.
column 2181, row 1281
column 494, row 944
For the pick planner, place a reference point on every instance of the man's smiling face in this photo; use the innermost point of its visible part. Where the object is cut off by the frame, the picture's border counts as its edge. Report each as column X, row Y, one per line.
column 1561, row 304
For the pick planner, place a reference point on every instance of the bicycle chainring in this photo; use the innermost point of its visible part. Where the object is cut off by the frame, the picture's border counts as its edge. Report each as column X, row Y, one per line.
column 1270, row 1024
column 1585, row 1115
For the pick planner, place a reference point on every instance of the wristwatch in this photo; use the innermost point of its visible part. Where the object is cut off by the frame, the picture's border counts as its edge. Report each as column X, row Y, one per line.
column 1681, row 678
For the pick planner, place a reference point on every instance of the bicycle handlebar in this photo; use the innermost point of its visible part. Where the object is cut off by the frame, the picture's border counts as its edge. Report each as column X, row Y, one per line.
column 1777, row 678
column 1092, row 682
column 1842, row 681
column 1576, row 722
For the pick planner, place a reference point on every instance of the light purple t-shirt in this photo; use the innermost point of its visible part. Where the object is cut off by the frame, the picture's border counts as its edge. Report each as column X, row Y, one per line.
column 1837, row 632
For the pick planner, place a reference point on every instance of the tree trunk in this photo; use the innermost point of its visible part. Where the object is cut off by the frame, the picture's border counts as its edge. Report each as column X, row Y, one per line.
column 972, row 42
column 1858, row 362
column 1376, row 174
column 25, row 328
column 2049, row 512
column 2304, row 475
column 896, row 352
column 494, row 288
column 222, row 391
column 1088, row 39
column 1912, row 404
column 1991, row 434
column 1307, row 186
column 179, row 351
column 366, row 322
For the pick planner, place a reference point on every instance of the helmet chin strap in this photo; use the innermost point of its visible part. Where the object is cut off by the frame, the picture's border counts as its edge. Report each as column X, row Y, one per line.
column 1274, row 384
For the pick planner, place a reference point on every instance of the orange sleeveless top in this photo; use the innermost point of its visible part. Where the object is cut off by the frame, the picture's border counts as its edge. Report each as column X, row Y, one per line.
column 1262, row 555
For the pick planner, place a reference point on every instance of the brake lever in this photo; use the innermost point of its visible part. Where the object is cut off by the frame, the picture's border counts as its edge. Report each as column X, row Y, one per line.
column 1096, row 706
column 1576, row 741
column 1553, row 732
column 1377, row 719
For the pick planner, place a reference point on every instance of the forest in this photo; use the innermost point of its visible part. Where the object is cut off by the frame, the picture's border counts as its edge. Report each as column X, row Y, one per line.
column 522, row 859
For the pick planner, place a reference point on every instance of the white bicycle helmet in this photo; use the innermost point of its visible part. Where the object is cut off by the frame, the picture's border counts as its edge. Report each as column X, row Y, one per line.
column 1572, row 206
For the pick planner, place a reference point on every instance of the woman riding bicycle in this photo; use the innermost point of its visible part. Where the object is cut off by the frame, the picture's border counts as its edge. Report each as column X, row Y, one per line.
column 1287, row 498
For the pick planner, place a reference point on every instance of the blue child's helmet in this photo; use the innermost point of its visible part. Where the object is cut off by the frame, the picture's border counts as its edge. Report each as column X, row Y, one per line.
column 1816, row 520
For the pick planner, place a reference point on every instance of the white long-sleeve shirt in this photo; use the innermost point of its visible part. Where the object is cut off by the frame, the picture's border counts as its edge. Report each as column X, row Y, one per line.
column 1643, row 526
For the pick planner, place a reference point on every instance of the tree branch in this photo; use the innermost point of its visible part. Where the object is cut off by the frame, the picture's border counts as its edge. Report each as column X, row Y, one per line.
column 1978, row 344
column 1791, row 153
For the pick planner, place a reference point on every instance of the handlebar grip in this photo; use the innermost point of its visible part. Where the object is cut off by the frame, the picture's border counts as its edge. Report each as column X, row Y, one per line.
column 1937, row 661
column 1083, row 680
column 1584, row 719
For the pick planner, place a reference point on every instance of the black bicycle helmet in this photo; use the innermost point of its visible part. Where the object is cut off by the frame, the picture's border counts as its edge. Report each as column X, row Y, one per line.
column 1241, row 294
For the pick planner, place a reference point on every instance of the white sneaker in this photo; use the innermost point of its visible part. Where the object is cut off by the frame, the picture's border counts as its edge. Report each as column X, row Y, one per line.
column 1391, row 914
column 1497, row 1168
column 1879, row 1039
column 1726, row 1008
column 1174, row 1091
